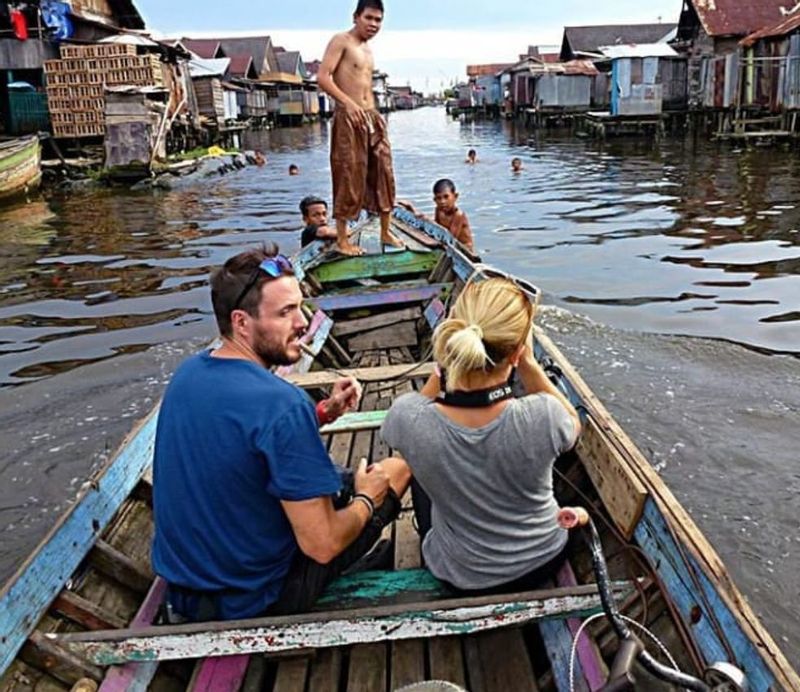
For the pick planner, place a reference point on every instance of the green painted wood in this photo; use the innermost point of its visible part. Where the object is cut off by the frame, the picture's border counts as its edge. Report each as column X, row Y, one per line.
column 365, row 589
column 351, row 422
column 367, row 266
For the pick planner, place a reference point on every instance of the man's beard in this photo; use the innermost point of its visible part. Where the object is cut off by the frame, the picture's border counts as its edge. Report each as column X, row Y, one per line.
column 273, row 352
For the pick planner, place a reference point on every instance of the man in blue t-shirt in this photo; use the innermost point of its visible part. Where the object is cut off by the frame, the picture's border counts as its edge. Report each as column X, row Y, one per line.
column 251, row 515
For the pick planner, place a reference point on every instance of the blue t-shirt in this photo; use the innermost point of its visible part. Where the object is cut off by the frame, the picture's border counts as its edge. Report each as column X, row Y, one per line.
column 233, row 440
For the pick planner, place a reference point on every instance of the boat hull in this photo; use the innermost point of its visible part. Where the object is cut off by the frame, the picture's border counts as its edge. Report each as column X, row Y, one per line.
column 20, row 167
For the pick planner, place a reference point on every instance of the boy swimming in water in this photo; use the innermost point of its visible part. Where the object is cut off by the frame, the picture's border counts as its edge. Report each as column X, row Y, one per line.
column 447, row 213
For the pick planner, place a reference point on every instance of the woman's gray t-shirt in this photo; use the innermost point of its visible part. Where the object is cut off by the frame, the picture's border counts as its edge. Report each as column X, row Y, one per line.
column 494, row 514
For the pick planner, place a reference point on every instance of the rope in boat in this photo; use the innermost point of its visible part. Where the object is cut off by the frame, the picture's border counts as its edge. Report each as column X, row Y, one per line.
column 631, row 621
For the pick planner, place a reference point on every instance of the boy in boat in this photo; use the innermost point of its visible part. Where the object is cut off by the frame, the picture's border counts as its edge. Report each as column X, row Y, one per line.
column 447, row 213
column 315, row 217
column 361, row 156
column 251, row 515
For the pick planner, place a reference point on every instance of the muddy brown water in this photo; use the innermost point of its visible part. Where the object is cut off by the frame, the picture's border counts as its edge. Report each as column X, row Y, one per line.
column 671, row 275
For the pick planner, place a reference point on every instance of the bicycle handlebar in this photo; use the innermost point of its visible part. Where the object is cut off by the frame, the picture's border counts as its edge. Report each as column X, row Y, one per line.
column 572, row 517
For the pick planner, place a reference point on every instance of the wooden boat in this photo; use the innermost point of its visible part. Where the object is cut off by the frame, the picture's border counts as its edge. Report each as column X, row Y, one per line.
column 20, row 166
column 80, row 610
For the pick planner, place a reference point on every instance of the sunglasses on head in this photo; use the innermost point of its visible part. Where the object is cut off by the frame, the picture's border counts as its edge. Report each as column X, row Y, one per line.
column 484, row 271
column 272, row 266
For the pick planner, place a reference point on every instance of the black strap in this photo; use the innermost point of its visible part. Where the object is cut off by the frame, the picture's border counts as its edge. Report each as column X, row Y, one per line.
column 477, row 398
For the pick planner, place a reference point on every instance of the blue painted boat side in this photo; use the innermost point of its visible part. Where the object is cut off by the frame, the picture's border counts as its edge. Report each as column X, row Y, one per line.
column 655, row 539
column 30, row 592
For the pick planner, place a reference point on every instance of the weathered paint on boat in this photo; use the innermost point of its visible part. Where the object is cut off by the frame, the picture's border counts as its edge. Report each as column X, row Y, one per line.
column 340, row 628
column 390, row 264
column 42, row 576
column 20, row 166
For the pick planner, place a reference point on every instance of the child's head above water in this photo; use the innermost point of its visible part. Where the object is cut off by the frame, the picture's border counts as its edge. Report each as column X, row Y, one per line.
column 445, row 195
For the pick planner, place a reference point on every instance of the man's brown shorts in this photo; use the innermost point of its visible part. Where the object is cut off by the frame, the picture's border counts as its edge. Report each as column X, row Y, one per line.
column 361, row 165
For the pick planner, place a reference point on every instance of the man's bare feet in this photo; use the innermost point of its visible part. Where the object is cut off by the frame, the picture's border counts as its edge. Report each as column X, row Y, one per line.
column 349, row 249
column 389, row 238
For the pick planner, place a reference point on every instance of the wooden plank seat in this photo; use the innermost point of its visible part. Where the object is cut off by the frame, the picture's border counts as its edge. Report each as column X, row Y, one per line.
column 394, row 294
column 382, row 374
column 425, row 618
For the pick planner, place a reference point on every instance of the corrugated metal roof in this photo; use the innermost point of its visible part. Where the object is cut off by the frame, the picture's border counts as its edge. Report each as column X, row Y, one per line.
column 257, row 46
column 587, row 39
column 242, row 66
column 124, row 13
column 584, row 67
column 570, row 67
column 490, row 69
column 209, row 68
column 288, row 60
column 205, row 48
column 639, row 50
column 739, row 17
column 782, row 28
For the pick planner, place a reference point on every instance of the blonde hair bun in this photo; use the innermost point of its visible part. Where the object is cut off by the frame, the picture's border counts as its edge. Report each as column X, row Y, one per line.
column 487, row 324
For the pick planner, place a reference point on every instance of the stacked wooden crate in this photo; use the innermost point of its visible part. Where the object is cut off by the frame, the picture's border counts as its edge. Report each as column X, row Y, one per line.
column 77, row 82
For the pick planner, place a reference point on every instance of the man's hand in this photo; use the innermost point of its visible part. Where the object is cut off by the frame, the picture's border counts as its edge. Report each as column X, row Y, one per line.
column 355, row 114
column 344, row 397
column 373, row 481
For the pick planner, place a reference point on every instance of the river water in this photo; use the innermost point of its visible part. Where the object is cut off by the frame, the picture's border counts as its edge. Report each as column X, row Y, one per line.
column 671, row 276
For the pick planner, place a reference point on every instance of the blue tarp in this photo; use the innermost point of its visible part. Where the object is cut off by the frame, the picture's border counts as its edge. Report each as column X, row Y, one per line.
column 55, row 16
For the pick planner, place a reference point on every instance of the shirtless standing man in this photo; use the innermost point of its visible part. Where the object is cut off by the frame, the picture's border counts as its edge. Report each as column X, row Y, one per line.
column 361, row 157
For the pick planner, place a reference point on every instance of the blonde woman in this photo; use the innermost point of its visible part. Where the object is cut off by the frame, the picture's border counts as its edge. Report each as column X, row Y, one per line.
column 482, row 459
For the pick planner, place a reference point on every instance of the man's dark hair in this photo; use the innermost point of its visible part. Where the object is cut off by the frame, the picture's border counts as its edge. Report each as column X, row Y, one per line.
column 444, row 185
column 228, row 282
column 472, row 152
column 310, row 201
column 368, row 4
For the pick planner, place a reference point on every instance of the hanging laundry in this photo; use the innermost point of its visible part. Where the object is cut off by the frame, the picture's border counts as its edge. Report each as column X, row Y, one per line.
column 19, row 25
column 55, row 15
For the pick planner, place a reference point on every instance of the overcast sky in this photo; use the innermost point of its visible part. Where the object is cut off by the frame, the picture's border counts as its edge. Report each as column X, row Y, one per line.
column 425, row 42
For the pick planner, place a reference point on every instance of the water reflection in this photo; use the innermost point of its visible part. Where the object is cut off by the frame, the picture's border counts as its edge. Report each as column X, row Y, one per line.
column 681, row 238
